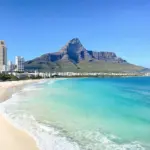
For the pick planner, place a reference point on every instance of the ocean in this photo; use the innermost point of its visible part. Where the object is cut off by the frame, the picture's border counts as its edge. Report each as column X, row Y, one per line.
column 84, row 113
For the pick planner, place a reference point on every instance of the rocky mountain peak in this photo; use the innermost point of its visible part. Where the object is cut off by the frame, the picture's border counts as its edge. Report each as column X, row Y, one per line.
column 74, row 41
column 73, row 45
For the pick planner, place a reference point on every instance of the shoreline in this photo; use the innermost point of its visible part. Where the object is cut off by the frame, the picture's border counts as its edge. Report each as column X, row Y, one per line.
column 12, row 137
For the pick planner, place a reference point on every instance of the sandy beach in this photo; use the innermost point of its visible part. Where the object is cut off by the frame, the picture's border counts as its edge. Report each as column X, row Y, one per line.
column 12, row 138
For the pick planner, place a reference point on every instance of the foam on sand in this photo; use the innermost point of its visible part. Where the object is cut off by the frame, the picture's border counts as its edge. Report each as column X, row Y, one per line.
column 47, row 138
column 11, row 137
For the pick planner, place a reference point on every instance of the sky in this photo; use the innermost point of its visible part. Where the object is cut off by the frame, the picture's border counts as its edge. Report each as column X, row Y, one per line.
column 31, row 28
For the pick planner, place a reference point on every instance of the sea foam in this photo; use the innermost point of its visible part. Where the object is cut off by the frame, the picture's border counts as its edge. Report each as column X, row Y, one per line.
column 47, row 138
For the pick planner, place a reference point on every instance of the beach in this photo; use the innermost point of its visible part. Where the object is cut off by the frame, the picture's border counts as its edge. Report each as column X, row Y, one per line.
column 11, row 137
column 75, row 114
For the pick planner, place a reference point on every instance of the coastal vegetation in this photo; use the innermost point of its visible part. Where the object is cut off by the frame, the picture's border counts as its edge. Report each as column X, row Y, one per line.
column 8, row 77
column 11, row 77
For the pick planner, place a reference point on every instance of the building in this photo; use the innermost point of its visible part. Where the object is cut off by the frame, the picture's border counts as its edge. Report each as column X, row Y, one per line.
column 3, row 56
column 10, row 66
column 19, row 62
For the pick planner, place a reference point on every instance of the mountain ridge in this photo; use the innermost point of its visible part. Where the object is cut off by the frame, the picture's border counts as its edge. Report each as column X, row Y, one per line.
column 75, row 54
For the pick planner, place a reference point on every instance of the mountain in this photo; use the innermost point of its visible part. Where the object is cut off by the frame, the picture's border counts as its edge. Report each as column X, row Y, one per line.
column 145, row 70
column 75, row 57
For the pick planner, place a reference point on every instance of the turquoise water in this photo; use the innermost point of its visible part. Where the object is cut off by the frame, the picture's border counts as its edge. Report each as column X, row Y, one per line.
column 87, row 113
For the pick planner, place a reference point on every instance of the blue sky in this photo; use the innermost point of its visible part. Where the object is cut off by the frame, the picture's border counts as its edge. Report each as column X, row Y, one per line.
column 34, row 27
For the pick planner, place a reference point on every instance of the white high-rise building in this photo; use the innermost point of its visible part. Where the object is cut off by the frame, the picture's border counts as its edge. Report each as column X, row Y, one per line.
column 10, row 66
column 19, row 62
column 3, row 56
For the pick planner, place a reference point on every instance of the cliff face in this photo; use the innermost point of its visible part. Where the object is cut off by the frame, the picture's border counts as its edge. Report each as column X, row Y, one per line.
column 74, row 51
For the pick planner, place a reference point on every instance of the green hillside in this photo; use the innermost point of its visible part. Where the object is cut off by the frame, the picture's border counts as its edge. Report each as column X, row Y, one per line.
column 83, row 66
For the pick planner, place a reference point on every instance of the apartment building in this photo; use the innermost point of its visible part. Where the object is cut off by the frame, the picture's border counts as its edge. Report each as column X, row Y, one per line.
column 19, row 62
column 3, row 56
column 10, row 66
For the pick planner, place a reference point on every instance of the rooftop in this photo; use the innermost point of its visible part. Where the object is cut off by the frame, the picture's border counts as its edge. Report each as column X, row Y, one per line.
column 2, row 42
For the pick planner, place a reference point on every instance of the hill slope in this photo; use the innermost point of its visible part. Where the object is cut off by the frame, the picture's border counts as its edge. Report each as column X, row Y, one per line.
column 73, row 57
column 145, row 70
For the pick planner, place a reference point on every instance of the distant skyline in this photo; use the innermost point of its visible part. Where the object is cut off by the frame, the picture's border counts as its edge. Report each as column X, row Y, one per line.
column 31, row 28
